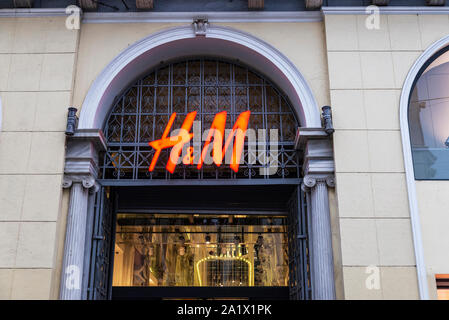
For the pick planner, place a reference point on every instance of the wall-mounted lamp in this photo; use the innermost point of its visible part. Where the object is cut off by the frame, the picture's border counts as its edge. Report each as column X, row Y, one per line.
column 71, row 122
column 207, row 238
column 327, row 120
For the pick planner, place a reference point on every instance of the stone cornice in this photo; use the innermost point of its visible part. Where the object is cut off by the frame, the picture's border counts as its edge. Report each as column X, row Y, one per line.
column 33, row 12
column 81, row 160
column 385, row 10
column 304, row 134
column 93, row 135
column 316, row 145
column 211, row 16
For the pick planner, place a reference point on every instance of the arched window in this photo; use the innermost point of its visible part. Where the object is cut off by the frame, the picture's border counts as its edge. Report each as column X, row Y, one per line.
column 428, row 118
column 208, row 86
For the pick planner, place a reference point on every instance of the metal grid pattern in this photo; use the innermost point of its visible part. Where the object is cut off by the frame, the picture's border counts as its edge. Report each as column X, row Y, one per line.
column 227, row 273
column 207, row 86
column 299, row 262
column 100, row 279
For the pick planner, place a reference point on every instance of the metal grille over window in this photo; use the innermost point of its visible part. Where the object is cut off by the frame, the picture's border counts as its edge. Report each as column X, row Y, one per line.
column 208, row 87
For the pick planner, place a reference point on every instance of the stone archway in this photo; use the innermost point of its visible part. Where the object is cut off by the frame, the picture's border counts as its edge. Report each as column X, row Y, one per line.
column 83, row 147
column 184, row 41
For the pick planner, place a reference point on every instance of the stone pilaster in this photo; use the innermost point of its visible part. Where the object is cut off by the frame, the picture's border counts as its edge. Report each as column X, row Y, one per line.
column 318, row 169
column 74, row 245
column 323, row 282
column 80, row 173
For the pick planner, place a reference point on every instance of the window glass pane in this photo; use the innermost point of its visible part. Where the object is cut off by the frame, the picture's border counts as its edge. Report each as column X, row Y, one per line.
column 429, row 121
column 200, row 250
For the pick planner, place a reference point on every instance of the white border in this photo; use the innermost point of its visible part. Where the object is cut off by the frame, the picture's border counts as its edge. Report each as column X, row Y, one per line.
column 223, row 16
column 176, row 42
column 386, row 10
column 409, row 170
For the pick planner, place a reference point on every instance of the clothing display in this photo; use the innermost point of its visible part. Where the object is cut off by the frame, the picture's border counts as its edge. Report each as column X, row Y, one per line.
column 168, row 250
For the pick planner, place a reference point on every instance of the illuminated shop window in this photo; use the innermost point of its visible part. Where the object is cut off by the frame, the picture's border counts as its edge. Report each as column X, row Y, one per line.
column 200, row 250
column 443, row 286
column 429, row 120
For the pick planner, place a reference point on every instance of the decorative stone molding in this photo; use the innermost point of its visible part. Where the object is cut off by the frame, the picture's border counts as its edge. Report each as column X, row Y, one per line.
column 223, row 41
column 318, row 169
column 314, row 4
column 316, row 145
column 23, row 3
column 80, row 173
column 86, row 181
column 144, row 4
column 394, row 10
column 435, row 2
column 188, row 17
column 310, row 181
column 88, row 4
column 81, row 158
column 200, row 26
column 255, row 4
column 380, row 2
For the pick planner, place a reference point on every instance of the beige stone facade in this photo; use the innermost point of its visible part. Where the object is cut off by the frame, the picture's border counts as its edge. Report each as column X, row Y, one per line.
column 38, row 60
column 44, row 68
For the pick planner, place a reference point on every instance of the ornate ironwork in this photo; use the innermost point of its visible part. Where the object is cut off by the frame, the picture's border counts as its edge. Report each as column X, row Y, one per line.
column 299, row 262
column 207, row 86
column 102, row 247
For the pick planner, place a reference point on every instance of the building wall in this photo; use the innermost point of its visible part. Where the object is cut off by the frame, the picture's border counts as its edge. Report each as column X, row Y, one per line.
column 367, row 69
column 37, row 57
column 307, row 51
column 433, row 210
column 48, row 69
column 44, row 68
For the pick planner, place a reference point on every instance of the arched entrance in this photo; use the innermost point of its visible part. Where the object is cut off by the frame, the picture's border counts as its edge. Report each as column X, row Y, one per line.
column 117, row 162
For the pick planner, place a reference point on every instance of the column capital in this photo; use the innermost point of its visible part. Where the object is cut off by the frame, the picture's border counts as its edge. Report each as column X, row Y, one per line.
column 87, row 181
column 311, row 181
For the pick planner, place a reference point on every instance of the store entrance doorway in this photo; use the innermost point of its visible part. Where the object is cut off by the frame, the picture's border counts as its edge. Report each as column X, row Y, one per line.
column 201, row 242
